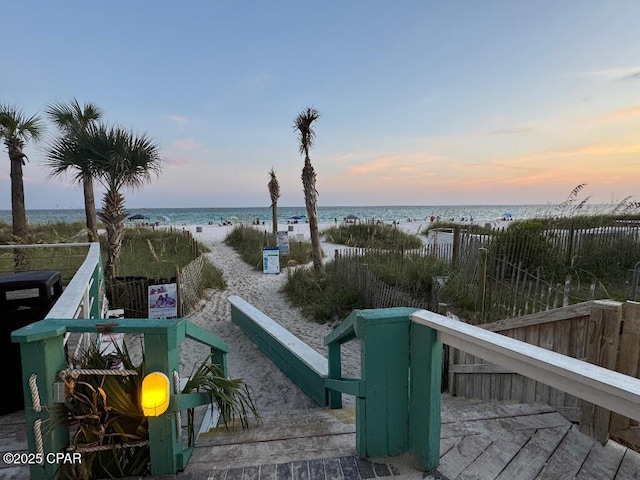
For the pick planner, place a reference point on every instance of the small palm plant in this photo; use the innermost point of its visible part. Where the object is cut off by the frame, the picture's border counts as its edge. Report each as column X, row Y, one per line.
column 106, row 420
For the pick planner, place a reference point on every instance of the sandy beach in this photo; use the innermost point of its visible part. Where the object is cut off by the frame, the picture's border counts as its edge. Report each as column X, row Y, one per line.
column 272, row 389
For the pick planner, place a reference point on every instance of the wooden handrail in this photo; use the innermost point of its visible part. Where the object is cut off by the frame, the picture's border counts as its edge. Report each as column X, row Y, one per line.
column 614, row 391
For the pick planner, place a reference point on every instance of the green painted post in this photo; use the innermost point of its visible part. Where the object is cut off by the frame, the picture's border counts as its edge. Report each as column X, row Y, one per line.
column 424, row 409
column 335, row 372
column 383, row 426
column 164, row 446
column 45, row 358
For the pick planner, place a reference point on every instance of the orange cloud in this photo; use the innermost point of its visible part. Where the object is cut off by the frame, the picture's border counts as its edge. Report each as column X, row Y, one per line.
column 624, row 114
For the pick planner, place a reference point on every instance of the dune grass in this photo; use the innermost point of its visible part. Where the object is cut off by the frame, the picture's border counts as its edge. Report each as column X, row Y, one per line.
column 367, row 235
column 145, row 252
column 322, row 295
column 249, row 242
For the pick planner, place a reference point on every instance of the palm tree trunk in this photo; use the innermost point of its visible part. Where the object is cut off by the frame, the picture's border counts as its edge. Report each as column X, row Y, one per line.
column 90, row 209
column 113, row 215
column 274, row 212
column 18, row 211
column 311, row 202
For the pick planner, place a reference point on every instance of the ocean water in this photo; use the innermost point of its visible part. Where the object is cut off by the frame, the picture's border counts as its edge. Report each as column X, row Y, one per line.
column 479, row 214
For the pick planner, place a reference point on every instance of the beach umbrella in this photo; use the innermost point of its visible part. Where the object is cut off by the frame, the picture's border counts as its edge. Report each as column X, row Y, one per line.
column 138, row 216
column 351, row 217
column 163, row 218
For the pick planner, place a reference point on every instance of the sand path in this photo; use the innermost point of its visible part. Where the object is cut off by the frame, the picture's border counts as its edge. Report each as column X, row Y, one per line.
column 273, row 391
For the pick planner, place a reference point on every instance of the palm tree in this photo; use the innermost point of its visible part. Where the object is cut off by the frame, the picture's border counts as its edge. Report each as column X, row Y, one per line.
column 16, row 129
column 274, row 193
column 72, row 118
column 117, row 159
column 304, row 126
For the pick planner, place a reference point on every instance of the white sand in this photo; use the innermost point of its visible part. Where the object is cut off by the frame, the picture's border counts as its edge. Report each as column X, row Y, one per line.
column 272, row 389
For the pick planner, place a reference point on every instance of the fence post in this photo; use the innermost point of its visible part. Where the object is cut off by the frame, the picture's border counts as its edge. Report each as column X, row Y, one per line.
column 482, row 283
column 178, row 292
column 603, row 336
column 456, row 246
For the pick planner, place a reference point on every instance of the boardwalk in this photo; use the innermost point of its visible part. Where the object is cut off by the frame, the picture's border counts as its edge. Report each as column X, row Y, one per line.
column 480, row 440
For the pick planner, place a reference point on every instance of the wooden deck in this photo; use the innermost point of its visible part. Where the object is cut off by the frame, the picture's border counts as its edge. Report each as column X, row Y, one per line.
column 480, row 440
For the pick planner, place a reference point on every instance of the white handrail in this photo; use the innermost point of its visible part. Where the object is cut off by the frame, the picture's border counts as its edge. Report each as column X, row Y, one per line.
column 606, row 388
column 74, row 295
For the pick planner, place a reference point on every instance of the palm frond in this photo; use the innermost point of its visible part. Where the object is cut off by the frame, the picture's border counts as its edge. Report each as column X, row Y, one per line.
column 303, row 124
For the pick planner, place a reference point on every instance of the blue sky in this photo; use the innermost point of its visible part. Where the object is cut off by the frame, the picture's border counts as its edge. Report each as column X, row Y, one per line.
column 422, row 102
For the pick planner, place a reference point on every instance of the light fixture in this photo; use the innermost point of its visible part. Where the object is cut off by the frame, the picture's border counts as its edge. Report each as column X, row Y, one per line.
column 155, row 394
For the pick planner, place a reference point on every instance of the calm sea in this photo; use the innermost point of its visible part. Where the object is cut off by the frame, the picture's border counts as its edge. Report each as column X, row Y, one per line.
column 198, row 216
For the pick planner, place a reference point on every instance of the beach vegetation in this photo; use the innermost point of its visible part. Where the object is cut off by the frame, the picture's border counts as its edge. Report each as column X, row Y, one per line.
column 372, row 235
column 146, row 252
column 16, row 128
column 303, row 125
column 322, row 296
column 118, row 159
column 408, row 272
column 72, row 118
column 249, row 242
column 157, row 253
column 274, row 194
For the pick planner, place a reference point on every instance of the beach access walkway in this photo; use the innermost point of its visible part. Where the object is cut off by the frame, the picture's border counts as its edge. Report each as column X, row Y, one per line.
column 479, row 440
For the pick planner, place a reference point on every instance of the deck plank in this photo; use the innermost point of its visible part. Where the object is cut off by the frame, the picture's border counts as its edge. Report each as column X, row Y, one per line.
column 463, row 454
column 568, row 457
column 603, row 461
column 495, row 458
column 533, row 456
column 630, row 466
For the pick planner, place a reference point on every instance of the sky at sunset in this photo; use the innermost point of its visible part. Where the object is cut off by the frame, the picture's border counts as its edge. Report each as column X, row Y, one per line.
column 421, row 102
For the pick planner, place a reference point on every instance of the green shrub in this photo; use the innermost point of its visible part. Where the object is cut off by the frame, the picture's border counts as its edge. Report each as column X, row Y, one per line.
column 372, row 236
column 321, row 295
column 249, row 242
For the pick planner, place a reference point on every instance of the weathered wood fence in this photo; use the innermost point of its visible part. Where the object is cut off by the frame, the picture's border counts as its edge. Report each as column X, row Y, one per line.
column 375, row 292
column 593, row 331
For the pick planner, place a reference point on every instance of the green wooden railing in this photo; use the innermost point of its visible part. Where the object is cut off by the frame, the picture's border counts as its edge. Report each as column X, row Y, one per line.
column 398, row 396
column 42, row 350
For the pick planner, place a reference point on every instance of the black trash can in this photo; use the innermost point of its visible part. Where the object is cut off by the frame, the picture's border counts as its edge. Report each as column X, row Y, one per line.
column 25, row 298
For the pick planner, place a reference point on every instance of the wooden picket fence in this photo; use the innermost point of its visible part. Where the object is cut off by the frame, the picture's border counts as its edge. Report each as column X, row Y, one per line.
column 593, row 331
column 376, row 293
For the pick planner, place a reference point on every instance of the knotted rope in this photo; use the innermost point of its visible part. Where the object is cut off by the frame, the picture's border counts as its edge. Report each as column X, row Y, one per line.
column 176, row 387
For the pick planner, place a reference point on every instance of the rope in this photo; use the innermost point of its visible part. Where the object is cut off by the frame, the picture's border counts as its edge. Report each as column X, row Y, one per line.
column 176, row 387
column 104, row 448
column 37, row 433
column 35, row 395
column 76, row 372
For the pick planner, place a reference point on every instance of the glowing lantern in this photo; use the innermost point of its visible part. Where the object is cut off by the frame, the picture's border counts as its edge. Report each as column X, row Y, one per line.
column 155, row 394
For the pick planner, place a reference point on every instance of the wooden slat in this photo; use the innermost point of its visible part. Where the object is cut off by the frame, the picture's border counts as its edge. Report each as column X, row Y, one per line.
column 630, row 466
column 603, row 462
column 465, row 453
column 530, row 459
column 568, row 457
column 572, row 311
column 495, row 458
column 602, row 350
column 628, row 355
